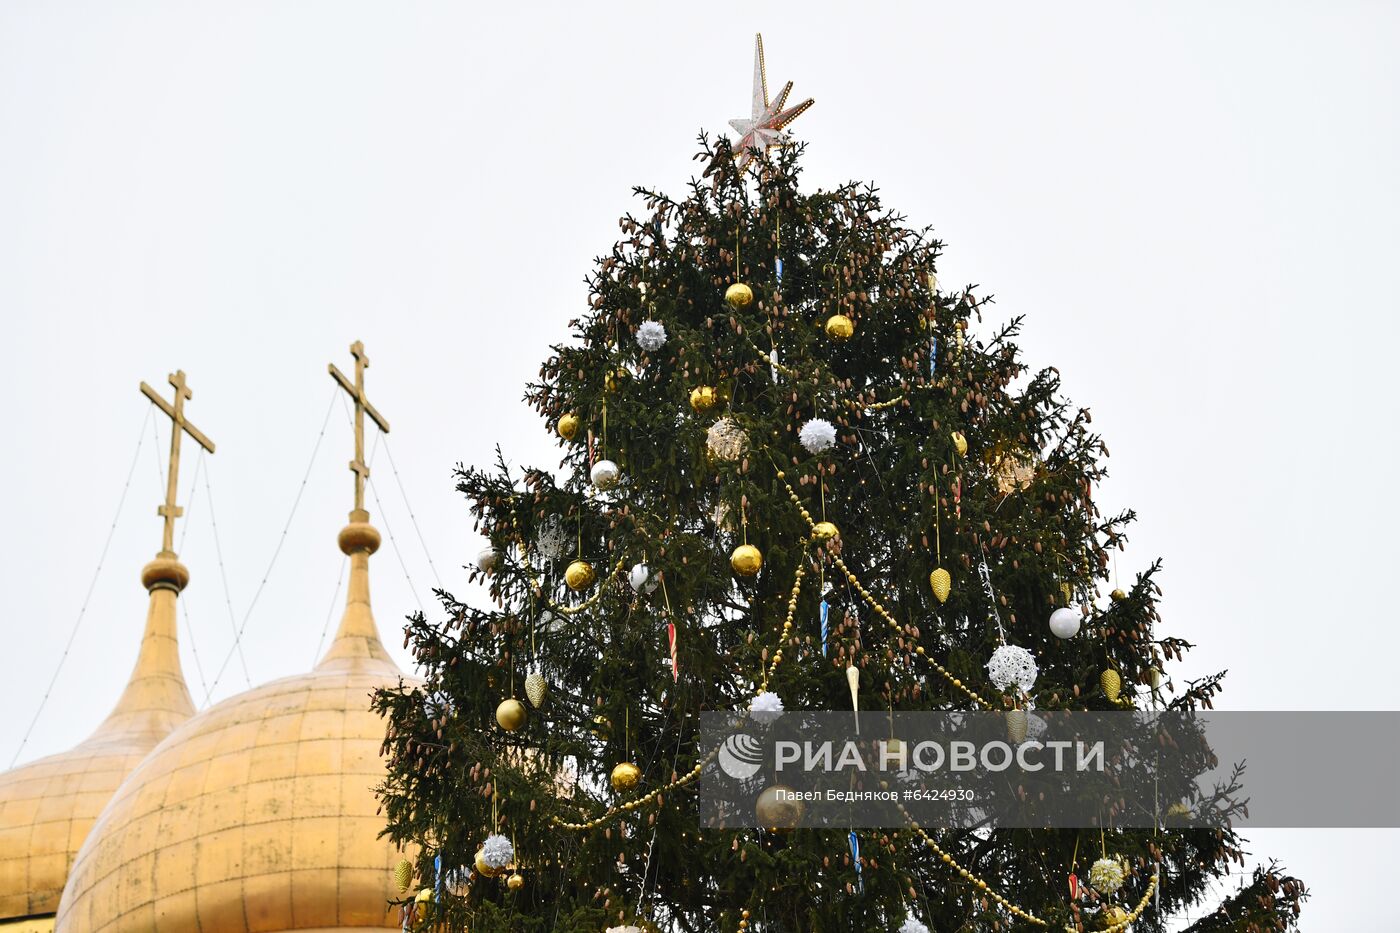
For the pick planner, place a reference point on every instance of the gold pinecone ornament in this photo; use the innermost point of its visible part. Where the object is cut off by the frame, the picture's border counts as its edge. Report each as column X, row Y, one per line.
column 1017, row 725
column 1112, row 684
column 536, row 689
column 403, row 875
column 942, row 583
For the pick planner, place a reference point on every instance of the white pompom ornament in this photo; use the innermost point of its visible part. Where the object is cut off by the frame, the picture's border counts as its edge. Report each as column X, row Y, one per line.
column 604, row 474
column 766, row 706
column 641, row 579
column 497, row 851
column 651, row 336
column 1064, row 622
column 487, row 559
column 1106, row 875
column 910, row 925
column 1012, row 665
column 817, row 435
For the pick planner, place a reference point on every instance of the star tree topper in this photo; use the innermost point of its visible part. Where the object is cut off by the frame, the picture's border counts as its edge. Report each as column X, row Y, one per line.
column 765, row 128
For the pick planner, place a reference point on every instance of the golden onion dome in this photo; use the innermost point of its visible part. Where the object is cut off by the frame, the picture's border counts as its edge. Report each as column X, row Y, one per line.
column 48, row 806
column 259, row 813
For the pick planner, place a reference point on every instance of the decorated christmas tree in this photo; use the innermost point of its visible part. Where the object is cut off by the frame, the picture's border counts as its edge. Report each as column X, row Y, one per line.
column 794, row 469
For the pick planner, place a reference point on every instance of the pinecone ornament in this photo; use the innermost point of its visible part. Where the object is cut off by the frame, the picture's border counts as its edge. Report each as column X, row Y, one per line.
column 1112, row 684
column 942, row 583
column 1017, row 724
column 536, row 689
column 403, row 875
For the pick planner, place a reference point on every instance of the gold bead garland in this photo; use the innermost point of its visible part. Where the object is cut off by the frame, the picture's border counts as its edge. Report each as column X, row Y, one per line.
column 584, row 606
column 879, row 609
column 791, row 615
column 630, row 805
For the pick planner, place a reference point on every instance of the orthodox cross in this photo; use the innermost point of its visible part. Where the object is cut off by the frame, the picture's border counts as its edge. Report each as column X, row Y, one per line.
column 362, row 406
column 178, row 428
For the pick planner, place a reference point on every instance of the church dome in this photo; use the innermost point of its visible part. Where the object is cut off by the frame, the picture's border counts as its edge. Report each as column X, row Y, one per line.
column 48, row 806
column 260, row 813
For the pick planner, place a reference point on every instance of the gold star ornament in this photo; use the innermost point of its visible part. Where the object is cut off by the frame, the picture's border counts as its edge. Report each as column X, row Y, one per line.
column 765, row 127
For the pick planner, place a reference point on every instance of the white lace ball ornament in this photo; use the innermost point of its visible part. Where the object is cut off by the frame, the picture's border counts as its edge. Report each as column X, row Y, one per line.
column 726, row 439
column 1106, row 875
column 497, row 851
column 910, row 925
column 641, row 579
column 1064, row 622
column 1012, row 664
column 487, row 559
column 651, row 336
column 604, row 474
column 817, row 435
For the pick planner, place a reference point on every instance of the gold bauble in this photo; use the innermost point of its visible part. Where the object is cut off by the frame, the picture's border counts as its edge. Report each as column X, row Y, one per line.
column 403, row 875
column 484, row 869
column 536, row 689
column 1117, row 595
column 1115, row 915
column 942, row 583
column 511, row 715
column 1112, row 684
column 579, row 575
column 960, row 443
column 516, row 881
column 425, row 896
column 738, row 295
column 625, row 777
column 567, row 426
column 746, row 560
column 1178, row 811
column 615, row 378
column 840, row 328
column 1017, row 725
column 702, row 399
column 778, row 815
column 824, row 531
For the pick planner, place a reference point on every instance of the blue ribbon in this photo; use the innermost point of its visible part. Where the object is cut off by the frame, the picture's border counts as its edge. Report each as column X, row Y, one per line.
column 932, row 355
column 855, row 860
column 779, row 263
column 437, row 876
column 826, row 627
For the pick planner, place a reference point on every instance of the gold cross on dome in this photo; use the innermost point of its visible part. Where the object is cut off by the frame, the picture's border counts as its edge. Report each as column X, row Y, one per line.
column 178, row 428
column 362, row 407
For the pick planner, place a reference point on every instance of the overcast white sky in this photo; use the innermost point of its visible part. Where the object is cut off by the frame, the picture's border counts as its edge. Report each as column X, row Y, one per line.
column 1196, row 206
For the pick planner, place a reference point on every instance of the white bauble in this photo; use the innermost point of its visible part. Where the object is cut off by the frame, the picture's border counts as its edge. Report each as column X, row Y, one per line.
column 641, row 579
column 651, row 336
column 1064, row 622
column 604, row 474
column 487, row 559
column 817, row 435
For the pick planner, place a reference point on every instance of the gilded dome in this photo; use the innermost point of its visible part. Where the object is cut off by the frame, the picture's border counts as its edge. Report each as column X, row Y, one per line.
column 48, row 806
column 260, row 813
